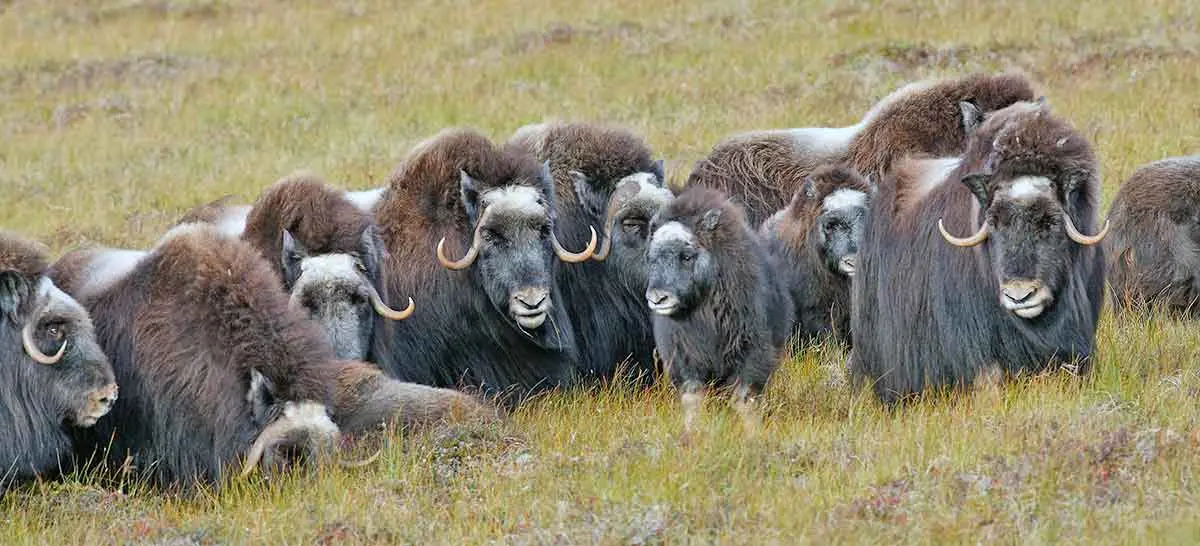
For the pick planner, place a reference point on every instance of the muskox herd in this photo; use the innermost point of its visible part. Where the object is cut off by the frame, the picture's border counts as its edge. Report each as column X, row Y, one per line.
column 951, row 234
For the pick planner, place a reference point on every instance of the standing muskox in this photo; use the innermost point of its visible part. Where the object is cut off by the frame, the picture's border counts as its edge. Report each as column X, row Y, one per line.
column 324, row 249
column 604, row 298
column 817, row 237
column 1153, row 253
column 493, row 318
column 1025, row 290
column 54, row 374
column 764, row 169
column 722, row 315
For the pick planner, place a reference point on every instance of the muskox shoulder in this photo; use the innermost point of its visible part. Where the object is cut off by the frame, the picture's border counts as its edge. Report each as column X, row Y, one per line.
column 365, row 200
column 87, row 272
column 21, row 255
column 317, row 215
column 1168, row 186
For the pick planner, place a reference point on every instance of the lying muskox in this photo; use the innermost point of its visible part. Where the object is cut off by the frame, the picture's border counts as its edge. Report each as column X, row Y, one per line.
column 722, row 314
column 764, row 169
column 324, row 249
column 1022, row 292
column 605, row 298
column 1153, row 253
column 54, row 375
column 492, row 317
column 215, row 365
column 817, row 238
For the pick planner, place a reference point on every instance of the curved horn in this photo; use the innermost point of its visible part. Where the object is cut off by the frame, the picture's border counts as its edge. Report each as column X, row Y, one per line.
column 979, row 236
column 606, row 245
column 362, row 463
column 472, row 252
column 272, row 435
column 32, row 349
column 571, row 257
column 383, row 309
column 1086, row 240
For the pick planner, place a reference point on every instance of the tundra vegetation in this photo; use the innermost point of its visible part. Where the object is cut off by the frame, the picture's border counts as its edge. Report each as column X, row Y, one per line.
column 118, row 117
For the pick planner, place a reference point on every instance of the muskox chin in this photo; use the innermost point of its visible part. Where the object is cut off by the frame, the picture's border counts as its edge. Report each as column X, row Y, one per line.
column 606, row 178
column 930, row 314
column 491, row 314
column 53, row 374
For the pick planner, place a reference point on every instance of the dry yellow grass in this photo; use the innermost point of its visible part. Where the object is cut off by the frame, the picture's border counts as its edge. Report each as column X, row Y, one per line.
column 117, row 116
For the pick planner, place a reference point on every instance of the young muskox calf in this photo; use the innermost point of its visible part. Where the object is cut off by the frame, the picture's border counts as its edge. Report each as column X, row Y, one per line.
column 494, row 317
column 764, row 169
column 1153, row 253
column 1023, row 292
column 817, row 238
column 324, row 249
column 53, row 375
column 721, row 314
column 604, row 177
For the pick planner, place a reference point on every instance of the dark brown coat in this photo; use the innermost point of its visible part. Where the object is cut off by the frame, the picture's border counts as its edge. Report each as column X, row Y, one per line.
column 1153, row 252
column 763, row 170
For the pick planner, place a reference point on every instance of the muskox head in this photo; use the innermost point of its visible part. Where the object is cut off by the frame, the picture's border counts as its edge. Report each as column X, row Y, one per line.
column 513, row 246
column 634, row 203
column 53, row 361
column 338, row 291
column 826, row 218
column 1034, row 179
column 681, row 267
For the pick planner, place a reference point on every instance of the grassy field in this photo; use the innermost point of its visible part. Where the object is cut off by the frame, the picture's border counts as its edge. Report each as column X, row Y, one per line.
column 115, row 117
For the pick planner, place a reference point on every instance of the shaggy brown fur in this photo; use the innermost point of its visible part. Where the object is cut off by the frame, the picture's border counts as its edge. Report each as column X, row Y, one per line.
column 821, row 295
column 365, row 399
column 319, row 216
column 24, row 257
column 763, row 170
column 604, row 154
column 208, row 213
column 1153, row 252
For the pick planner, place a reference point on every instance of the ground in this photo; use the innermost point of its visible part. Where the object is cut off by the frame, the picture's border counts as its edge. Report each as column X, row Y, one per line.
column 118, row 116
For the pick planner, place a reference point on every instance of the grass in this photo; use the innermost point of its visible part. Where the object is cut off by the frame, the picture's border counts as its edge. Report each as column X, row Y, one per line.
column 118, row 116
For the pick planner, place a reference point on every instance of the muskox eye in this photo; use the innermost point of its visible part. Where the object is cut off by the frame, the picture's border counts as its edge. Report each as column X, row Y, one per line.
column 55, row 332
column 686, row 258
column 632, row 226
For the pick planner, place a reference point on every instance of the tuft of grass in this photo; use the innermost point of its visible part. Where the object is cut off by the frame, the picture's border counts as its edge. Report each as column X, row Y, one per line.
column 118, row 116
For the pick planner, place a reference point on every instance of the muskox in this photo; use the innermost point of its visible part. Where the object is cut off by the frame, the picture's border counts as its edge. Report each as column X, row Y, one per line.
column 187, row 325
column 1153, row 253
column 722, row 316
column 55, row 376
column 817, row 237
column 604, row 298
column 934, row 310
column 325, row 250
column 764, row 169
column 492, row 317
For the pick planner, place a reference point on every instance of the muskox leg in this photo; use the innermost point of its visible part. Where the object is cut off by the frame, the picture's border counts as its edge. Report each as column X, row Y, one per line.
column 745, row 401
column 691, row 398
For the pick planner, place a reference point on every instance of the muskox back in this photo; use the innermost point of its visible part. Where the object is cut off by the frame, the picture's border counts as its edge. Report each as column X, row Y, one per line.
column 185, row 326
column 764, row 169
column 462, row 334
column 1153, row 252
column 53, row 375
column 604, row 298
column 1023, row 295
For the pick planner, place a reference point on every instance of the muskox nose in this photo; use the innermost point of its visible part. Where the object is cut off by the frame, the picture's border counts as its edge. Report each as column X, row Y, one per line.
column 848, row 264
column 531, row 298
column 1019, row 292
column 107, row 396
column 657, row 297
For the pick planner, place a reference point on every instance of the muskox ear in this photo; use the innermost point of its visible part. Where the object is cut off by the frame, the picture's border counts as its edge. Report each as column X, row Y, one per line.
column 977, row 183
column 13, row 290
column 972, row 116
column 291, row 252
column 592, row 201
column 468, row 194
column 659, row 170
column 371, row 251
column 710, row 220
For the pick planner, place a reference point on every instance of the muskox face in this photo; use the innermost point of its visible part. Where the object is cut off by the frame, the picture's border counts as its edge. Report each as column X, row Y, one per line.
column 838, row 229
column 54, row 355
column 514, row 247
column 338, row 291
column 1029, row 236
column 638, row 197
column 681, row 271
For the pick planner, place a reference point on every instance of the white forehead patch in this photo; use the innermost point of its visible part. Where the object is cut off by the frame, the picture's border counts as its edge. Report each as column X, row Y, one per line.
column 844, row 199
column 671, row 231
column 107, row 267
column 232, row 222
column 309, row 415
column 365, row 200
column 1027, row 188
column 522, row 200
column 647, row 187
column 327, row 267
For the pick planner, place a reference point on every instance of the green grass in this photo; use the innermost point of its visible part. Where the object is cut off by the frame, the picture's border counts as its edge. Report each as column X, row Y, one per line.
column 116, row 117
